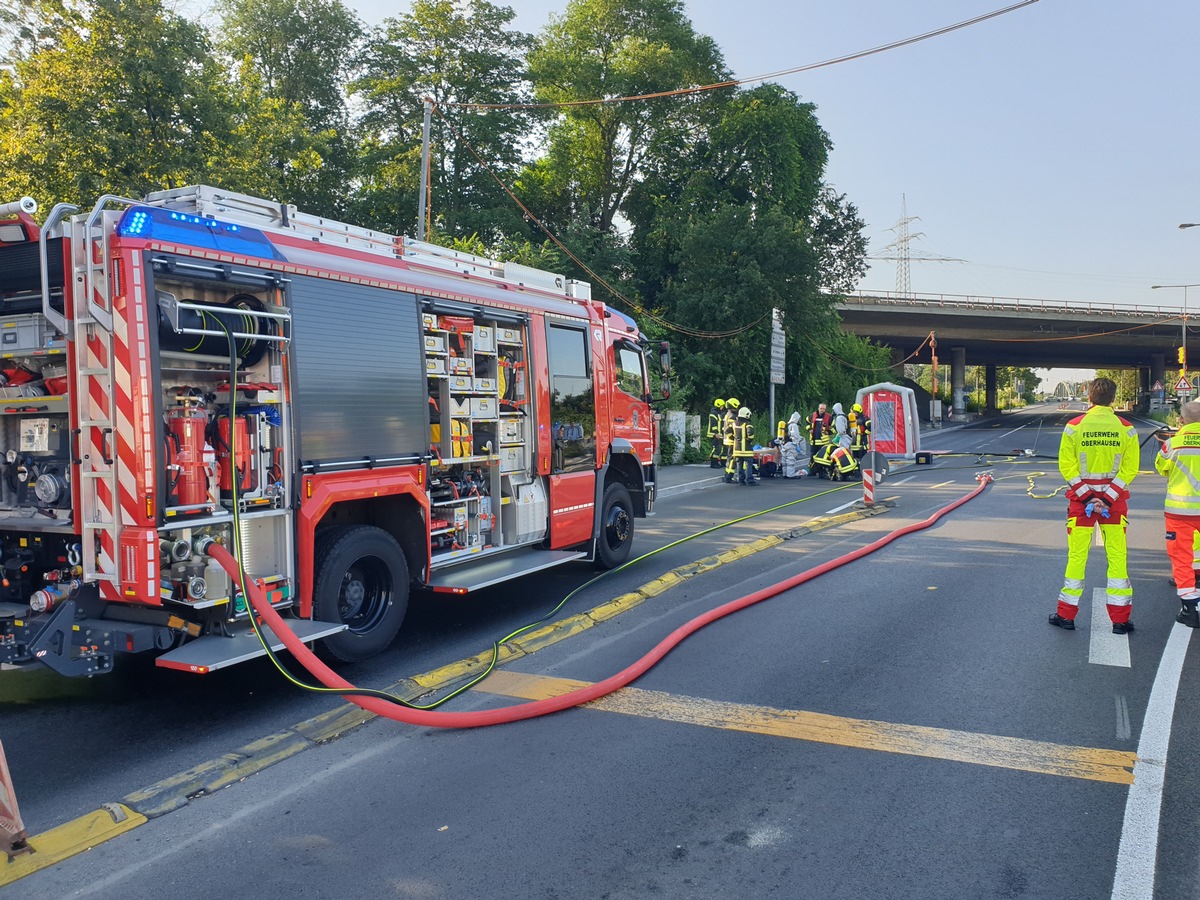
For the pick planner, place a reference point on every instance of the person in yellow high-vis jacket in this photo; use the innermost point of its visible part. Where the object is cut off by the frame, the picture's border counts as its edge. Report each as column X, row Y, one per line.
column 1098, row 456
column 1179, row 460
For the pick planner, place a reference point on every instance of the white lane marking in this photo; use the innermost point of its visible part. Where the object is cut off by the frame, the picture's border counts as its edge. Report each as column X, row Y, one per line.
column 1014, row 431
column 837, row 509
column 904, row 481
column 943, row 484
column 1134, row 878
column 1104, row 647
column 1124, row 729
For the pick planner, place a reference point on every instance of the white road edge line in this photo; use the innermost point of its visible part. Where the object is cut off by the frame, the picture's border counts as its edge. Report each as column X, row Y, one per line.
column 1134, row 878
column 837, row 509
column 1104, row 647
column 904, row 481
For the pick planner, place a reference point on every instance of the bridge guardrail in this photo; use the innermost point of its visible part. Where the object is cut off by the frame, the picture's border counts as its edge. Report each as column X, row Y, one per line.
column 1012, row 304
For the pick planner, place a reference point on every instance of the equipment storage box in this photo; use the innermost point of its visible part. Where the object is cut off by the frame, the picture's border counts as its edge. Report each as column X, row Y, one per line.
column 485, row 339
column 22, row 334
column 483, row 407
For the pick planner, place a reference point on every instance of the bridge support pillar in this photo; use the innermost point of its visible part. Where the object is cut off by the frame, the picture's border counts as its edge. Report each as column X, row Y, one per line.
column 958, row 379
column 990, row 393
column 1158, row 370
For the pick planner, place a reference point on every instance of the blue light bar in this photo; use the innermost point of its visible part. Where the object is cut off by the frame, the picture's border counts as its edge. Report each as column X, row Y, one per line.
column 152, row 222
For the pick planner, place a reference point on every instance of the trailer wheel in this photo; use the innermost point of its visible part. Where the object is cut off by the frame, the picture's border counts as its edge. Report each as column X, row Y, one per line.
column 616, row 527
column 362, row 581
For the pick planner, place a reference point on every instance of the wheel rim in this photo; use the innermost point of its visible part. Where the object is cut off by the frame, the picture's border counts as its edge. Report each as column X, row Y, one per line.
column 365, row 594
column 616, row 527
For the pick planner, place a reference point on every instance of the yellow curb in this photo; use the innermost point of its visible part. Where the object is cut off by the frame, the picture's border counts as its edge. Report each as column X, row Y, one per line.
column 71, row 838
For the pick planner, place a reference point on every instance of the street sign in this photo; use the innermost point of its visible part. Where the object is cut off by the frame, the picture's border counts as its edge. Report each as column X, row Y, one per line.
column 778, row 345
column 1183, row 386
column 1158, row 386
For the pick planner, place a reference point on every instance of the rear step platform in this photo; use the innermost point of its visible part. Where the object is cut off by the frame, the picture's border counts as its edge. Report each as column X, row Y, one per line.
column 463, row 579
column 206, row 654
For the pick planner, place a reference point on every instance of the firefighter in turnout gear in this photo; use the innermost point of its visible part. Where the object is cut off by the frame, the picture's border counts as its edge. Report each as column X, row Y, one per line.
column 1098, row 456
column 1179, row 460
column 860, row 431
column 819, row 425
column 716, row 456
column 727, row 423
column 743, row 448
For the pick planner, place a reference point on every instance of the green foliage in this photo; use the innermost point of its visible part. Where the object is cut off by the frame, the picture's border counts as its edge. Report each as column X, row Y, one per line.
column 453, row 53
column 120, row 96
column 610, row 49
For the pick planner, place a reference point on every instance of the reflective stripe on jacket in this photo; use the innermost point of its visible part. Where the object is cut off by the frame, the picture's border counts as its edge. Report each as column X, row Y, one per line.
column 1179, row 460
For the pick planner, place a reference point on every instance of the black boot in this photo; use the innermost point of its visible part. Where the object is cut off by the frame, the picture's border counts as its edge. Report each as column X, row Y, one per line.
column 1188, row 615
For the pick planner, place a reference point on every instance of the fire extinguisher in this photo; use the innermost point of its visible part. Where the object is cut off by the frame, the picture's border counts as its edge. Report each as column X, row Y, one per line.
column 186, row 456
column 234, row 452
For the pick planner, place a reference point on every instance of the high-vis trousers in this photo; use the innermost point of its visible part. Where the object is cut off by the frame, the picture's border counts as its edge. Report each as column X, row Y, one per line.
column 1181, row 549
column 1119, row 591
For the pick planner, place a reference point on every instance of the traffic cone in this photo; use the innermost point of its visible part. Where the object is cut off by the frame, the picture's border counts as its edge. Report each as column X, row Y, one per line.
column 12, row 829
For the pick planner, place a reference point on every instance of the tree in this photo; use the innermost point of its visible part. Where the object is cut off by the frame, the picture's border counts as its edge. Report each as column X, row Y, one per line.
column 115, row 96
column 613, row 49
column 463, row 56
column 302, row 49
column 291, row 60
column 732, row 221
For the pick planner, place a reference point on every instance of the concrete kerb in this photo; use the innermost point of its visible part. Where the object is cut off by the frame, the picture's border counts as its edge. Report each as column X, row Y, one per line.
column 178, row 790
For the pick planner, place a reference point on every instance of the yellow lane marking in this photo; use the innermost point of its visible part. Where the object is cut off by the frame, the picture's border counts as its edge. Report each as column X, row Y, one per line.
column 1090, row 763
column 74, row 837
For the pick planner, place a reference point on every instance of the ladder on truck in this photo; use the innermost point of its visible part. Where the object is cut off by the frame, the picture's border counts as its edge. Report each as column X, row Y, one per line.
column 229, row 206
column 99, row 481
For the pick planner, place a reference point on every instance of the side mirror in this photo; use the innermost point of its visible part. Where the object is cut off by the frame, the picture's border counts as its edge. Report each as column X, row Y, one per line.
column 664, row 367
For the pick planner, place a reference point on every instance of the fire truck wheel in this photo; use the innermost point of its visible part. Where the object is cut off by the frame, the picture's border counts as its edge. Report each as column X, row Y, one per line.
column 616, row 528
column 362, row 580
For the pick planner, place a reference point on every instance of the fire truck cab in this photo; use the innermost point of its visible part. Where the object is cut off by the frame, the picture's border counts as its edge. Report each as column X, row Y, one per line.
column 351, row 413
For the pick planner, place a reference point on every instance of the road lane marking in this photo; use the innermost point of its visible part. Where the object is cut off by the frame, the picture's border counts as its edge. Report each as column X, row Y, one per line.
column 943, row 484
column 1124, row 728
column 905, row 481
column 1104, row 647
column 1134, row 878
column 1089, row 763
column 838, row 509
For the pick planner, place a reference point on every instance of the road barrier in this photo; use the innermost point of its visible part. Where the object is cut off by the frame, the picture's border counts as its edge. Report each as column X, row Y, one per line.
column 868, row 480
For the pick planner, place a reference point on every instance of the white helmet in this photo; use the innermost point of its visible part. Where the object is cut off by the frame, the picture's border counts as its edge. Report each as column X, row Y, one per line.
column 744, row 412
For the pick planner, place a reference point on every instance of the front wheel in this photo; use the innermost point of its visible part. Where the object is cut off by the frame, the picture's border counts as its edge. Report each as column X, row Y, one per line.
column 362, row 582
column 615, row 542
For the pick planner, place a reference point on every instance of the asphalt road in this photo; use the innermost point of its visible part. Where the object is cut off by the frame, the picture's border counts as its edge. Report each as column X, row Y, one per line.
column 906, row 725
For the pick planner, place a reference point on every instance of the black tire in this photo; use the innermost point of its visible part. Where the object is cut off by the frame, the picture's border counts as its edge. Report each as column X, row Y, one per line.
column 615, row 542
column 361, row 581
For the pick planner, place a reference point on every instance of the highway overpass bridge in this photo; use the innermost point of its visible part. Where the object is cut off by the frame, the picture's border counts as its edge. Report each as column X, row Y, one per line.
column 1007, row 331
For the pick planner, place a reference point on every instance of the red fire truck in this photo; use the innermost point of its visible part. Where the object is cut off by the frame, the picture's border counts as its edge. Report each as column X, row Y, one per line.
column 353, row 414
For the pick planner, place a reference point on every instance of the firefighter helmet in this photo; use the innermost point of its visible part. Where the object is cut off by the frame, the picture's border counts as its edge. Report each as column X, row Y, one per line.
column 732, row 403
column 857, row 407
column 744, row 412
column 719, row 403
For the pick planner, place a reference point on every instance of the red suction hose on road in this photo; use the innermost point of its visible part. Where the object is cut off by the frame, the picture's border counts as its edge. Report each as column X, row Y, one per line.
column 477, row 719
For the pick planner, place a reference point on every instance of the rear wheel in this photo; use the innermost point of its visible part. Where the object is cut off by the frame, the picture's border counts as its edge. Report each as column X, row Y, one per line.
column 615, row 542
column 362, row 582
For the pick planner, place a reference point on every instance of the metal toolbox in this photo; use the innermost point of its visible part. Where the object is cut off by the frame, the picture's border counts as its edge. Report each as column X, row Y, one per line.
column 485, row 339
column 483, row 407
column 435, row 343
column 435, row 365
column 509, row 335
column 512, row 459
column 461, row 382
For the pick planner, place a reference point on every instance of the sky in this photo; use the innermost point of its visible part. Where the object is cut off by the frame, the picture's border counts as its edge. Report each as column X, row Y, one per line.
column 1046, row 153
